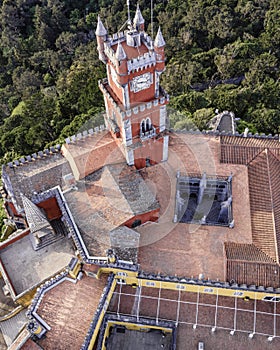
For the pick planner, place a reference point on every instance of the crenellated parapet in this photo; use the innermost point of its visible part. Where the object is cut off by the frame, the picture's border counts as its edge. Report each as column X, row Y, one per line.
column 139, row 108
column 206, row 285
column 99, row 313
column 36, row 325
column 85, row 134
column 35, row 156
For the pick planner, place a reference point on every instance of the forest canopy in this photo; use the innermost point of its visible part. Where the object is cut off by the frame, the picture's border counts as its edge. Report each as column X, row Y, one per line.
column 221, row 55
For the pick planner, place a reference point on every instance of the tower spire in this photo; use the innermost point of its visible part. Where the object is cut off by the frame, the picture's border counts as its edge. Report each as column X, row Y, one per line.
column 138, row 19
column 120, row 54
column 34, row 216
column 159, row 41
column 100, row 29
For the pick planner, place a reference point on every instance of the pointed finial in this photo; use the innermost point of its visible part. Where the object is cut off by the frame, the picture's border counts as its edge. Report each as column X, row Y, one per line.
column 159, row 41
column 138, row 18
column 100, row 29
column 128, row 13
column 120, row 54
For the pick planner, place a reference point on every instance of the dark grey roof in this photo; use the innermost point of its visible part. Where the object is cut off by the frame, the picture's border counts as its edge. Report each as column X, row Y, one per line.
column 38, row 175
column 125, row 243
column 224, row 121
column 133, row 188
column 35, row 217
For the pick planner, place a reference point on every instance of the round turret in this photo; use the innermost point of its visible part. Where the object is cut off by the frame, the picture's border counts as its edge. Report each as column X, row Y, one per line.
column 122, row 61
column 159, row 45
column 101, row 36
column 139, row 22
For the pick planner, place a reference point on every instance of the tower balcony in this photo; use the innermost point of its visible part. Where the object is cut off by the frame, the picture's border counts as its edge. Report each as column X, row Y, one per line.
column 148, row 134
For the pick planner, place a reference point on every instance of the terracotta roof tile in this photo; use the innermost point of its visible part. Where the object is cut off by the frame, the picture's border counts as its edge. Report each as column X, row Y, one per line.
column 264, row 203
column 241, row 150
column 253, row 273
column 30, row 345
column 91, row 153
column 68, row 309
column 246, row 252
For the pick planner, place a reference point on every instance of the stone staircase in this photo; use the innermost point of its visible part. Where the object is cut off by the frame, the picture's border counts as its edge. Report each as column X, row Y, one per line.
column 60, row 232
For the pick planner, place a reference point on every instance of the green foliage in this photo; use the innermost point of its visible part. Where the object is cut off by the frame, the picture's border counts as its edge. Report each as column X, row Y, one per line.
column 2, row 217
column 202, row 116
column 242, row 125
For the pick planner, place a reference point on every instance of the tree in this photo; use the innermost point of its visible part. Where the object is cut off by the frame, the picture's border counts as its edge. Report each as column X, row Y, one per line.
column 202, row 116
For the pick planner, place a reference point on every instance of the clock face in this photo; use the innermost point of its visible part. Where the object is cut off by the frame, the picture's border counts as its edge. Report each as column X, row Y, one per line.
column 141, row 82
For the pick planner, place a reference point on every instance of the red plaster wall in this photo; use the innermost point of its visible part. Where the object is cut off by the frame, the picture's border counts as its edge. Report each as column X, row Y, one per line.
column 150, row 216
column 117, row 89
column 153, row 149
column 12, row 208
column 136, row 119
column 95, row 159
column 143, row 95
column 138, row 97
column 51, row 208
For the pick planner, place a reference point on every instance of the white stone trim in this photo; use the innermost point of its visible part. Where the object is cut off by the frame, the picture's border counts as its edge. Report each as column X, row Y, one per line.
column 165, row 148
column 162, row 118
column 130, row 157
column 125, row 93
column 127, row 131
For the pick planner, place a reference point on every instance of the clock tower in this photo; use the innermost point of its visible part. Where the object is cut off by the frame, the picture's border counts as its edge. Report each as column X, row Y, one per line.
column 135, row 102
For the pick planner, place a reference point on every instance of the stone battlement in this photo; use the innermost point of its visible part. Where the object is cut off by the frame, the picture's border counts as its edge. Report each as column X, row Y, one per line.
column 35, row 156
column 82, row 135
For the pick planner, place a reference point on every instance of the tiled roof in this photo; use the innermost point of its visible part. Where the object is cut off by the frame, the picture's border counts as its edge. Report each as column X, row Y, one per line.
column 253, row 273
column 134, row 189
column 35, row 217
column 125, row 242
column 30, row 345
column 91, row 153
column 68, row 309
column 246, row 252
column 38, row 175
column 12, row 326
column 264, row 190
column 241, row 150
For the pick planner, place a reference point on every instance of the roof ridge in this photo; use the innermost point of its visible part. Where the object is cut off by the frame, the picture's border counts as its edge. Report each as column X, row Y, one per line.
column 268, row 154
column 263, row 150
column 229, row 245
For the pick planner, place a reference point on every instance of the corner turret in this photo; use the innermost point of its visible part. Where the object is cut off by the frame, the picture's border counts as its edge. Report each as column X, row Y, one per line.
column 159, row 45
column 120, row 54
column 139, row 22
column 121, row 68
column 159, row 41
column 101, row 36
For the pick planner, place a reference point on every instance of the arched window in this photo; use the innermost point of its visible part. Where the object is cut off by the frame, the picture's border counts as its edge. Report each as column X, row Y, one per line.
column 148, row 124
column 146, row 128
column 143, row 126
